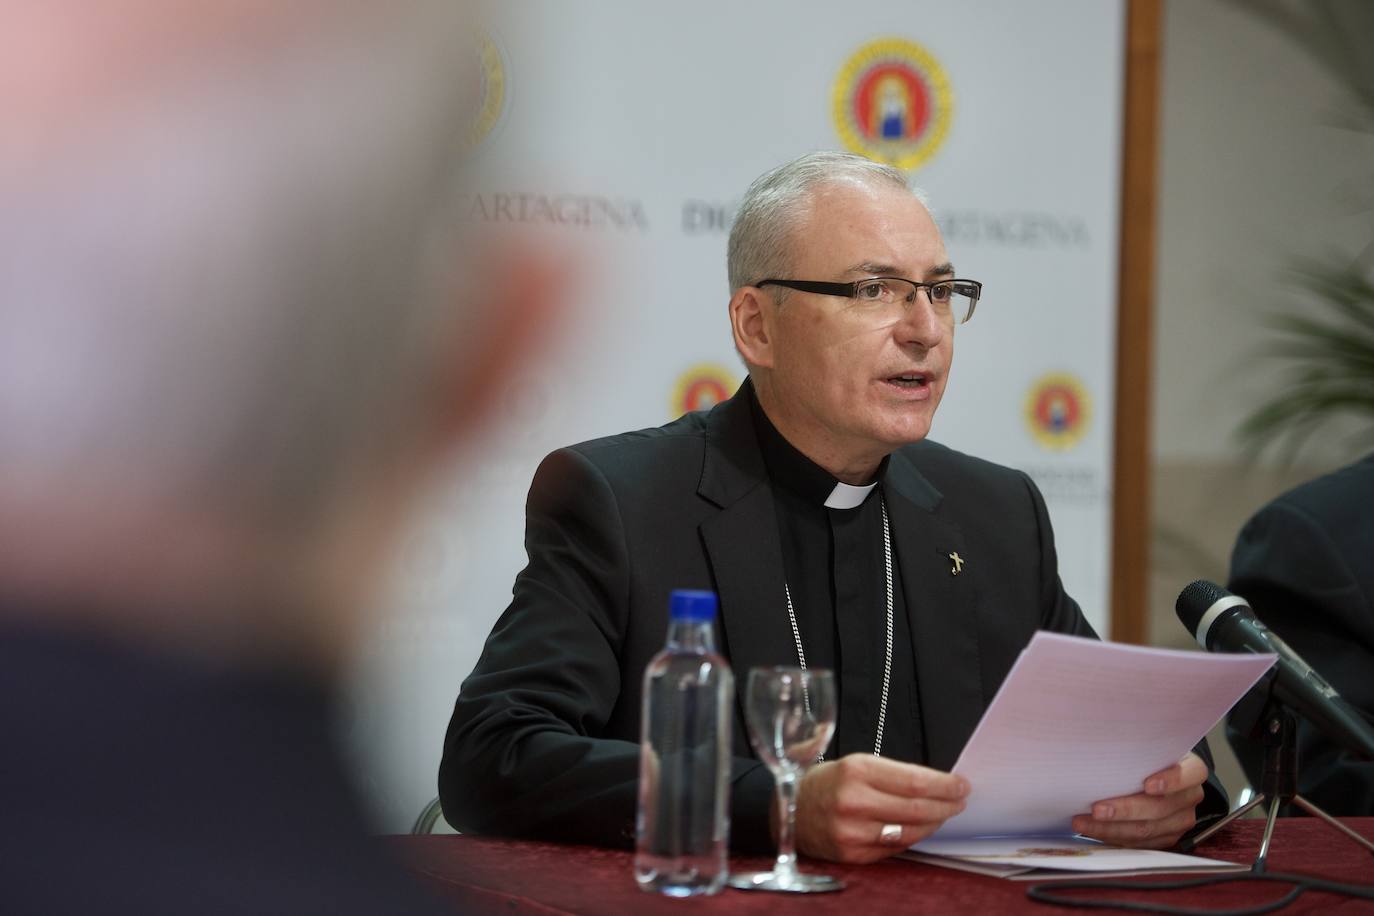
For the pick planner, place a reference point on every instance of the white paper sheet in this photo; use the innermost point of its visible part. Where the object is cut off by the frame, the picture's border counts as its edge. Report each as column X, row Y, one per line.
column 1078, row 720
column 1045, row 858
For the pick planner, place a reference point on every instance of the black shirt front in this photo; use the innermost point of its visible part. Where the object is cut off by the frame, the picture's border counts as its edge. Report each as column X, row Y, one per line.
column 834, row 564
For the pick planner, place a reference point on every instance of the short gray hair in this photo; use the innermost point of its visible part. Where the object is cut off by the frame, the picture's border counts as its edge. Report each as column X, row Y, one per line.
column 761, row 238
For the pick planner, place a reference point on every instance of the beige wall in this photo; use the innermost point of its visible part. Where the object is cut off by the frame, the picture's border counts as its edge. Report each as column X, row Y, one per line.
column 1253, row 173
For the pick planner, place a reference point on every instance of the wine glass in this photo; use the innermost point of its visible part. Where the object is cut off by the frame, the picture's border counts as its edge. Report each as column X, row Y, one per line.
column 791, row 716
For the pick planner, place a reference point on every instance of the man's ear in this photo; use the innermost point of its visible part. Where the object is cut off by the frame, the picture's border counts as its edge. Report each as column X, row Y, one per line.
column 751, row 321
column 513, row 327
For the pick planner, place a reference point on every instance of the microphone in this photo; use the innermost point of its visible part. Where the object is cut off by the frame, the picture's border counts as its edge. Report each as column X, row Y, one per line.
column 1224, row 622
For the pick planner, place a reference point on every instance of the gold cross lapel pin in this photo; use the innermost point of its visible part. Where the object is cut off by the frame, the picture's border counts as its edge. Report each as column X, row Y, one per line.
column 958, row 562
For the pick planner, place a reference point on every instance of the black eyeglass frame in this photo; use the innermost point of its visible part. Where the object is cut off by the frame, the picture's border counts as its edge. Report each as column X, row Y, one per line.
column 971, row 289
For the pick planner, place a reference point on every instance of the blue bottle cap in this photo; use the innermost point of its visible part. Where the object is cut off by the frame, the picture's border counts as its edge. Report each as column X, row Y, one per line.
column 686, row 604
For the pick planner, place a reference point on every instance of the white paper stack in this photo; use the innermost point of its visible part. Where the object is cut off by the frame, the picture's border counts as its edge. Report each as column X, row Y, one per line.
column 1077, row 721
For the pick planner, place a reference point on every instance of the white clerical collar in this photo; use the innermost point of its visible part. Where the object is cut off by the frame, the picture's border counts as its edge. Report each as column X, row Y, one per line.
column 845, row 496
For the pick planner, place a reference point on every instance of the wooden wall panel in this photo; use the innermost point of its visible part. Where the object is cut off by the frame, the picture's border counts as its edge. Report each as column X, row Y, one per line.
column 1131, row 522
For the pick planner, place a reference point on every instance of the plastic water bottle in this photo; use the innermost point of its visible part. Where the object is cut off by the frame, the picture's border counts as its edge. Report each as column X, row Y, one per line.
column 683, row 827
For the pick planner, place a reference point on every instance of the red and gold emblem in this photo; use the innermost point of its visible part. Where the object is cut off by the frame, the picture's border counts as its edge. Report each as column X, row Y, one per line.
column 491, row 89
column 893, row 103
column 1057, row 411
column 702, row 387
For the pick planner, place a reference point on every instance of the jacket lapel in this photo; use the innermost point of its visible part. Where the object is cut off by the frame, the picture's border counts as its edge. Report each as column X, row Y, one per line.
column 742, row 544
column 941, row 609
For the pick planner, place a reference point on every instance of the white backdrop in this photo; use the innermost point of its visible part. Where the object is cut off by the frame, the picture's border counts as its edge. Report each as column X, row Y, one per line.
column 625, row 131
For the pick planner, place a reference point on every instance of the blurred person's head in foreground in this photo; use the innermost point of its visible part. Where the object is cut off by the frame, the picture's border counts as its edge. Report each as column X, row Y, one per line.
column 239, row 331
column 238, row 324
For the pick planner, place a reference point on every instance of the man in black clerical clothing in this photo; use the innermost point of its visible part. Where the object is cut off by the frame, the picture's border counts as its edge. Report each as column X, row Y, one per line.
column 792, row 500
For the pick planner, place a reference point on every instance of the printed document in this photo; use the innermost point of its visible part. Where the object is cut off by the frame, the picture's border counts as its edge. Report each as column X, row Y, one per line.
column 1078, row 720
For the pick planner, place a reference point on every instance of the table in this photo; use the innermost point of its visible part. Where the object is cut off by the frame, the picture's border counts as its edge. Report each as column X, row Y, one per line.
column 512, row 877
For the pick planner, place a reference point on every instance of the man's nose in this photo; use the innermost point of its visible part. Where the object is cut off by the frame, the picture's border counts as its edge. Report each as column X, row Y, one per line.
column 920, row 322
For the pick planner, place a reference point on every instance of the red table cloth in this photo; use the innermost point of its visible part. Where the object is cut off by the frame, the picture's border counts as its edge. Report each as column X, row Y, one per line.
column 480, row 875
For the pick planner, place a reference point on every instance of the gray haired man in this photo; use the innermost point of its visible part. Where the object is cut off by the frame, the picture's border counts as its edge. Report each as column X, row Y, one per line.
column 834, row 532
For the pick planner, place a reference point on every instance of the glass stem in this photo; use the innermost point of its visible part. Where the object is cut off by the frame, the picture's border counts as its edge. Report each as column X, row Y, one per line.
column 785, row 870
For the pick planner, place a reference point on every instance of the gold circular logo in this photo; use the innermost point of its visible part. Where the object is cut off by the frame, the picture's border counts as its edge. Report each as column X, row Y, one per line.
column 702, row 387
column 491, row 89
column 1058, row 410
column 893, row 103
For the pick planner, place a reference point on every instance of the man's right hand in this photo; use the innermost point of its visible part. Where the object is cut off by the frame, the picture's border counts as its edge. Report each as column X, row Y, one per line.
column 843, row 805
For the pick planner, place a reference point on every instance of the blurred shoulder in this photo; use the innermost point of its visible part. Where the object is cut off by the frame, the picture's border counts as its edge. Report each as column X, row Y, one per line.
column 1348, row 491
column 672, row 449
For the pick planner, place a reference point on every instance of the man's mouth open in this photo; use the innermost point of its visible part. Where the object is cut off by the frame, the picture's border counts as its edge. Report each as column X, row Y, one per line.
column 909, row 381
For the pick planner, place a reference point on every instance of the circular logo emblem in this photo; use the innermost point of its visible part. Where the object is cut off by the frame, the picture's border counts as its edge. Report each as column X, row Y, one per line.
column 893, row 103
column 702, row 387
column 1057, row 411
column 491, row 89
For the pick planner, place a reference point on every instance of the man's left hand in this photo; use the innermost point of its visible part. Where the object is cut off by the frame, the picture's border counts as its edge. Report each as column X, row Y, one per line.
column 1155, row 818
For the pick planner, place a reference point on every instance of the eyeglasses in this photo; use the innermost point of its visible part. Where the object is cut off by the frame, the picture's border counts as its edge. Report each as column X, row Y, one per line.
column 952, row 298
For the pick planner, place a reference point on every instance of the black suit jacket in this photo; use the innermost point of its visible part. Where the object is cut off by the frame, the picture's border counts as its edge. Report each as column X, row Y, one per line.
column 1305, row 562
column 543, row 740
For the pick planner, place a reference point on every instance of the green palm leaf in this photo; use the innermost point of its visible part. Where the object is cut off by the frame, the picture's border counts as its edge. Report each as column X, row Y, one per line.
column 1323, row 355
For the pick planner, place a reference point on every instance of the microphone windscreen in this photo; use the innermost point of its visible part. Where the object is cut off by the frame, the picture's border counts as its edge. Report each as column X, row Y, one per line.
column 1194, row 601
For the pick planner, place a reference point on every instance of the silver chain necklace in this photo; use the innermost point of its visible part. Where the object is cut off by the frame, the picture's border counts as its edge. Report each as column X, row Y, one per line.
column 887, row 664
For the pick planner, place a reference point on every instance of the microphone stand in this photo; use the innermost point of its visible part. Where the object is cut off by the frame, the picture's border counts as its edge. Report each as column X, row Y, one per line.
column 1279, row 783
